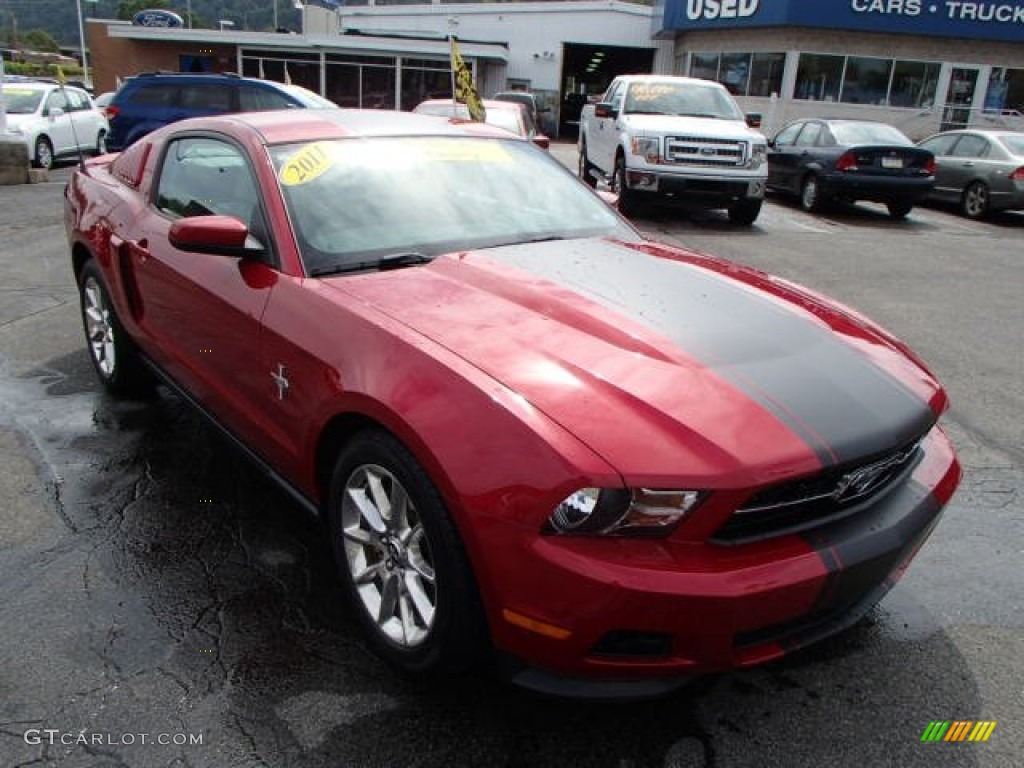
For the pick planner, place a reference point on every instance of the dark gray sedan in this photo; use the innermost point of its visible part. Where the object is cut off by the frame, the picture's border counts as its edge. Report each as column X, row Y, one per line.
column 981, row 170
column 848, row 160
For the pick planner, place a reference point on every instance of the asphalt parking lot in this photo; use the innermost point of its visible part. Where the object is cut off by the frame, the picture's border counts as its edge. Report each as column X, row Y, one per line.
column 153, row 588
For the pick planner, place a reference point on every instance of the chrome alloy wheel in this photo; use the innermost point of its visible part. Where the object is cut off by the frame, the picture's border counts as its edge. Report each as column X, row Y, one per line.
column 388, row 555
column 99, row 328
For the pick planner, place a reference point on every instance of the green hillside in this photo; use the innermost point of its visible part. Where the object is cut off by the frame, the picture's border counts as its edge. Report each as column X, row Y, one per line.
column 60, row 17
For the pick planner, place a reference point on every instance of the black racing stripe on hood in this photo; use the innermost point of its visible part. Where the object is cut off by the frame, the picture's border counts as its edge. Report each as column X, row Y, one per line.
column 841, row 404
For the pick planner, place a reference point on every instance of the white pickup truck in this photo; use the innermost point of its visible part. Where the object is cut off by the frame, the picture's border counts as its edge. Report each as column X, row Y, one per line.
column 675, row 138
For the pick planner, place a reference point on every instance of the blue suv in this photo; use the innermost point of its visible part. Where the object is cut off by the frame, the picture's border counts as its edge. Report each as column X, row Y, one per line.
column 149, row 101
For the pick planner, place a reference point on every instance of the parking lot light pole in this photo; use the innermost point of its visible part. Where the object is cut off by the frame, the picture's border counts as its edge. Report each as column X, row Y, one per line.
column 81, row 40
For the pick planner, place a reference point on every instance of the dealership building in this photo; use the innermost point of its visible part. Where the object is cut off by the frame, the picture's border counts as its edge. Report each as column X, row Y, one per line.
column 921, row 65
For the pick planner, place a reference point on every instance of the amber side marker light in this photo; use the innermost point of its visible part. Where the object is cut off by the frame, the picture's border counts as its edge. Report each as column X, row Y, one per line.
column 540, row 627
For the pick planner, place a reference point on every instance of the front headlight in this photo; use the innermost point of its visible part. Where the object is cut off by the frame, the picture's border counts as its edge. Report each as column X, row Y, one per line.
column 622, row 511
column 648, row 149
column 758, row 155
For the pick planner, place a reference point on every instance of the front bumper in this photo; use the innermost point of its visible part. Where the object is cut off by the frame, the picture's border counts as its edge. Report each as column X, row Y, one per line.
column 699, row 187
column 634, row 611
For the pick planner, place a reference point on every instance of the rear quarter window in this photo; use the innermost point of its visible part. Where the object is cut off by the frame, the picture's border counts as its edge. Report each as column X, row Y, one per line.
column 156, row 95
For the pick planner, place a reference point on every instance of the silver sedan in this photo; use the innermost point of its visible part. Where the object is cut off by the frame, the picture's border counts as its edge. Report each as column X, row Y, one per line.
column 981, row 170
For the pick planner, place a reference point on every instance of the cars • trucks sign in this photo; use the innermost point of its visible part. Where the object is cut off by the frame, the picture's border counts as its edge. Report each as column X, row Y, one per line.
column 974, row 19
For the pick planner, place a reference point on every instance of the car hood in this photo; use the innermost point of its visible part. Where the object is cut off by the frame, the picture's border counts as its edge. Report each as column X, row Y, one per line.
column 691, row 126
column 667, row 363
column 21, row 121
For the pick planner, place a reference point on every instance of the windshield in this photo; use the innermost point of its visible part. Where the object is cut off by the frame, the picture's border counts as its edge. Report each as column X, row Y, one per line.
column 1013, row 142
column 848, row 134
column 22, row 101
column 355, row 200
column 693, row 99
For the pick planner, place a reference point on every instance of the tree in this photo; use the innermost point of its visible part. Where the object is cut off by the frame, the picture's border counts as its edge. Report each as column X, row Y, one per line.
column 39, row 40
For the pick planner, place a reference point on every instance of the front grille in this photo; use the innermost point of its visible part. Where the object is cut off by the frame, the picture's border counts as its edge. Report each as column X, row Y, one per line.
column 819, row 499
column 706, row 152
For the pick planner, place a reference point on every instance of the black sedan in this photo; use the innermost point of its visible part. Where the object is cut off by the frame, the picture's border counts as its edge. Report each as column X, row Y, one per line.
column 849, row 160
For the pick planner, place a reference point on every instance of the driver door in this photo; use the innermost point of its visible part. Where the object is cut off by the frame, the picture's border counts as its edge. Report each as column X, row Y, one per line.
column 201, row 312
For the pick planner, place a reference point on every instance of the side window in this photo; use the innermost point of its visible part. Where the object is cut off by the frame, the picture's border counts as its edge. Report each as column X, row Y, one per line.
column 616, row 95
column 56, row 100
column 809, row 135
column 254, row 99
column 77, row 101
column 156, row 95
column 204, row 177
column 940, row 145
column 206, row 97
column 788, row 135
column 970, row 146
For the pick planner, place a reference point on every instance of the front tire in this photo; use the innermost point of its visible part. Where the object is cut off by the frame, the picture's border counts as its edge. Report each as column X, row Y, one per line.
column 43, row 153
column 111, row 350
column 975, row 201
column 745, row 212
column 402, row 560
column 586, row 168
column 628, row 205
column 811, row 199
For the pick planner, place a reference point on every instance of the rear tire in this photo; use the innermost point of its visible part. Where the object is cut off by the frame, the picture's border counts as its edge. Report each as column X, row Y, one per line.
column 745, row 212
column 899, row 210
column 975, row 200
column 401, row 559
column 111, row 350
column 586, row 168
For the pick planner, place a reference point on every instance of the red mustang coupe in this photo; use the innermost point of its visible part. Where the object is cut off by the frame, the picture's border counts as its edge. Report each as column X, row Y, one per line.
column 612, row 464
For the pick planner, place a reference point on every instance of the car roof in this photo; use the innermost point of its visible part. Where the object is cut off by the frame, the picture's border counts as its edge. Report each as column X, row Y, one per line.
column 488, row 103
column 296, row 125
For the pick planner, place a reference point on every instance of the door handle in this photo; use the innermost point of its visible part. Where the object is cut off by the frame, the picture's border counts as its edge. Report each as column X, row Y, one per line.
column 968, row 164
column 138, row 248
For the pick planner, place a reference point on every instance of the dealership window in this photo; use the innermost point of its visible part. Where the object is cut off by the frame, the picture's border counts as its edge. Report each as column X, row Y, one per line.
column 1005, row 90
column 913, row 84
column 744, row 74
column 361, row 81
column 866, row 81
column 818, row 77
column 425, row 79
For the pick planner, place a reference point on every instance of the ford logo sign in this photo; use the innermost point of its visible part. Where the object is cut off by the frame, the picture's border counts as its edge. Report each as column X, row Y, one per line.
column 708, row 151
column 157, row 17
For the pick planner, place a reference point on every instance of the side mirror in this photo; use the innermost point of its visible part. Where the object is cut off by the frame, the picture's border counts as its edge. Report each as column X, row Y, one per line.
column 605, row 109
column 771, row 143
column 754, row 119
column 542, row 141
column 54, row 112
column 222, row 235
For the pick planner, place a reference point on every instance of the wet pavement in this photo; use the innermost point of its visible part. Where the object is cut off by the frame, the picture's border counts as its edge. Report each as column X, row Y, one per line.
column 155, row 588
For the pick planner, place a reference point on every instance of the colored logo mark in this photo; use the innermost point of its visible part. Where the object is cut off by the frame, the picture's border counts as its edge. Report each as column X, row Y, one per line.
column 958, row 730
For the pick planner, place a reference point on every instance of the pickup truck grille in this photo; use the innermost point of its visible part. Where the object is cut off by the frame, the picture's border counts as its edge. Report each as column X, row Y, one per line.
column 698, row 150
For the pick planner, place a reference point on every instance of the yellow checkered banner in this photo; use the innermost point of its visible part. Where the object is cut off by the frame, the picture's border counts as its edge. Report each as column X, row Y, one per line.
column 465, row 91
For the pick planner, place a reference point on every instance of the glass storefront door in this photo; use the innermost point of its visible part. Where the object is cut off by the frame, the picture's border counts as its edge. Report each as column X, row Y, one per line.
column 959, row 97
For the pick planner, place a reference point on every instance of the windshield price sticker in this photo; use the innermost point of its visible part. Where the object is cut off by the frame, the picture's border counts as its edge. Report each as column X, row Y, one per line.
column 468, row 151
column 643, row 92
column 18, row 91
column 307, row 164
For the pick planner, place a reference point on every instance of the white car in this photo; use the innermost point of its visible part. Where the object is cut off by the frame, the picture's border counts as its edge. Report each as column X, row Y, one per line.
column 54, row 120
